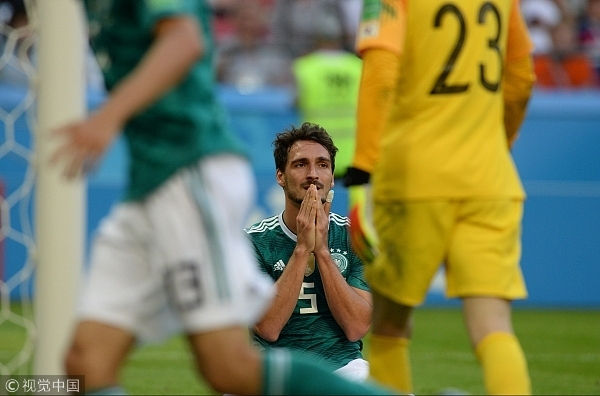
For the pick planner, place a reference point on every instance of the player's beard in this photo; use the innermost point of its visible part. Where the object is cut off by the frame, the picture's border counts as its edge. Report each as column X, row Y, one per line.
column 297, row 195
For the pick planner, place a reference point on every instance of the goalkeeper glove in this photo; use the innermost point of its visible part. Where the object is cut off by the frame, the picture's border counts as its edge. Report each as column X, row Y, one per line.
column 362, row 234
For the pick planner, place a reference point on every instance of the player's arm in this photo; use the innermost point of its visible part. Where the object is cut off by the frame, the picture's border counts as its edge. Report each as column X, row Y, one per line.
column 518, row 84
column 350, row 306
column 519, row 76
column 177, row 45
column 289, row 283
column 380, row 44
column 379, row 77
column 288, row 288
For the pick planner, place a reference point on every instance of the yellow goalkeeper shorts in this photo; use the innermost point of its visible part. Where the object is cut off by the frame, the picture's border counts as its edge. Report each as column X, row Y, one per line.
column 478, row 241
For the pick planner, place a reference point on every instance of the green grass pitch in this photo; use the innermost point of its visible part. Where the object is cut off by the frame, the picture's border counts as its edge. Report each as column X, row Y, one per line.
column 562, row 349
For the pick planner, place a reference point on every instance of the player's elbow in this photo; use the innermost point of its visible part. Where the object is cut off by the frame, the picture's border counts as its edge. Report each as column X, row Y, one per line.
column 185, row 34
column 267, row 333
column 196, row 48
column 194, row 41
column 357, row 332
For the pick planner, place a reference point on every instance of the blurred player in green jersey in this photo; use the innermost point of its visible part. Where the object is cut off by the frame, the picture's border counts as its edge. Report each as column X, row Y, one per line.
column 173, row 252
column 323, row 304
column 444, row 90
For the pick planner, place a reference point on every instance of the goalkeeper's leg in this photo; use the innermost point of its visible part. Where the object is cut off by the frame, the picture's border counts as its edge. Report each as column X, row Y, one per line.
column 388, row 353
column 489, row 325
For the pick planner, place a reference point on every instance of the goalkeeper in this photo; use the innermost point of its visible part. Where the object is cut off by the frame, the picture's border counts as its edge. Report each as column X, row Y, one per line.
column 444, row 90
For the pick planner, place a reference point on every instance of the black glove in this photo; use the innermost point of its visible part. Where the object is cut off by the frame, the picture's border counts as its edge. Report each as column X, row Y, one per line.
column 356, row 177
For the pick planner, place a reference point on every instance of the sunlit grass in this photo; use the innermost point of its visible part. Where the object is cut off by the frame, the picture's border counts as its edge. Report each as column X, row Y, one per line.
column 562, row 349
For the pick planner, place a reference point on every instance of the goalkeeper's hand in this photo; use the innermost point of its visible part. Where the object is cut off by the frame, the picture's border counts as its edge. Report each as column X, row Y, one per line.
column 362, row 234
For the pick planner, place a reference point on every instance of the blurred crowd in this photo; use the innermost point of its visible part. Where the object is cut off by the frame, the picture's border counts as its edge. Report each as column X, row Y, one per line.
column 566, row 35
column 259, row 40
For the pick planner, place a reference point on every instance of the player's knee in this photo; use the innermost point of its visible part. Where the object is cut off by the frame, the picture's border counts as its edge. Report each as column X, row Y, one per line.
column 394, row 327
column 80, row 360
column 216, row 380
column 74, row 360
column 407, row 330
column 232, row 372
column 83, row 359
column 221, row 376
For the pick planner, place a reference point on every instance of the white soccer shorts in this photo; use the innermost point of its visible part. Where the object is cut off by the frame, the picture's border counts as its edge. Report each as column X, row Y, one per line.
column 356, row 370
column 179, row 260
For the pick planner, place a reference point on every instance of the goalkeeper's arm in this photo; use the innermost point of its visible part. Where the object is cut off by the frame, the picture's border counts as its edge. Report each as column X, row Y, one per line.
column 379, row 75
column 519, row 78
column 380, row 71
column 518, row 74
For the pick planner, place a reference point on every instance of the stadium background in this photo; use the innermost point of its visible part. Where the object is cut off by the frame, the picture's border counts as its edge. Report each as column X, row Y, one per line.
column 557, row 155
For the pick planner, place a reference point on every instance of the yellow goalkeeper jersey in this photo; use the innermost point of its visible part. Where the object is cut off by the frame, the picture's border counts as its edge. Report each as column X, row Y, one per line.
column 444, row 135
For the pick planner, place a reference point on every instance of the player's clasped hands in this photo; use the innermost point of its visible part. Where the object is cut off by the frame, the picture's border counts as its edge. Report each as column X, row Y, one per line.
column 313, row 220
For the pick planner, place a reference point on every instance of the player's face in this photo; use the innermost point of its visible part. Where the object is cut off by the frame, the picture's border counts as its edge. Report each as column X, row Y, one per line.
column 308, row 163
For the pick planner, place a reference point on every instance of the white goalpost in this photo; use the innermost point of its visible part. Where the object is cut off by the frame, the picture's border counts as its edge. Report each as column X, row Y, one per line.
column 60, row 205
column 42, row 215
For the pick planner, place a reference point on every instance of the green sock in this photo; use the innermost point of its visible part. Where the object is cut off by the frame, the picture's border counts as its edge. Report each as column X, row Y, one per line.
column 289, row 373
column 109, row 390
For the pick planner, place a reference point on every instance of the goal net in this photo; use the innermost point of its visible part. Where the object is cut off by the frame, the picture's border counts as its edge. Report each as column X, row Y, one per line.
column 42, row 237
column 17, row 118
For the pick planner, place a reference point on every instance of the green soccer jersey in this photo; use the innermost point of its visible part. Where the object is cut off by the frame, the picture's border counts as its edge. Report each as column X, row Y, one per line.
column 312, row 327
column 187, row 123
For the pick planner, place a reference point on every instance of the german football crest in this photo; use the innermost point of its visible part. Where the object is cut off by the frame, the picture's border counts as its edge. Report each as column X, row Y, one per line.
column 341, row 261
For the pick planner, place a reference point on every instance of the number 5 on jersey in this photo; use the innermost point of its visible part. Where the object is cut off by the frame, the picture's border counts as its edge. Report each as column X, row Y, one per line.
column 306, row 296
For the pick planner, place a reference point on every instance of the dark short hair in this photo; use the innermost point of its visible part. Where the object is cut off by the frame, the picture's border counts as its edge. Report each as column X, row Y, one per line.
column 308, row 131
